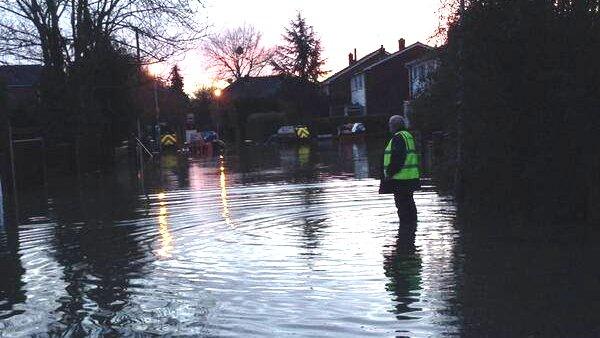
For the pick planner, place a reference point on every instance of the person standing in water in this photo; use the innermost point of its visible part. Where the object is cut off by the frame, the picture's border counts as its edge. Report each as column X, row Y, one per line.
column 401, row 175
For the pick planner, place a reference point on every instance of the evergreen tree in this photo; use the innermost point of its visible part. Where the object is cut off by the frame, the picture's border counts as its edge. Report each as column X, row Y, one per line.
column 301, row 54
column 528, row 107
column 176, row 80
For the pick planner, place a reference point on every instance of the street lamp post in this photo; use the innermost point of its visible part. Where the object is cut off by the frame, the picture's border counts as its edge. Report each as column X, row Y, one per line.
column 138, row 122
column 217, row 94
column 157, row 111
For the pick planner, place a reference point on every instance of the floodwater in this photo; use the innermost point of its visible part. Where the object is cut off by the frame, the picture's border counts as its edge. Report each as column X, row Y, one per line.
column 273, row 241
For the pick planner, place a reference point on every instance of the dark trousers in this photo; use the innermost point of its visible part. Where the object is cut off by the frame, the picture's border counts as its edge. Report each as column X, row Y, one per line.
column 407, row 210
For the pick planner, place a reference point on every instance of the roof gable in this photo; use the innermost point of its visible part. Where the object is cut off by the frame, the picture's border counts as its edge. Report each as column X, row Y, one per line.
column 361, row 62
column 258, row 87
column 432, row 55
column 398, row 54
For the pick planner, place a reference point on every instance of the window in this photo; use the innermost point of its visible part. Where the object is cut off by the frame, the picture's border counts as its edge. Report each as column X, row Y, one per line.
column 357, row 82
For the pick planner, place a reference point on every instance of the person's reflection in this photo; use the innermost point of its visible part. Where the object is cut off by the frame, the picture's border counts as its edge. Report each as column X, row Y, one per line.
column 311, row 234
column 402, row 264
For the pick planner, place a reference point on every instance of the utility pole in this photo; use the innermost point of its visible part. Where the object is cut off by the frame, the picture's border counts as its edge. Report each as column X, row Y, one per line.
column 13, row 170
column 157, row 110
column 138, row 122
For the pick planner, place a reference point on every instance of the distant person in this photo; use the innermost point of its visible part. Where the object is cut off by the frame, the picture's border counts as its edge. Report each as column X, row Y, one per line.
column 401, row 175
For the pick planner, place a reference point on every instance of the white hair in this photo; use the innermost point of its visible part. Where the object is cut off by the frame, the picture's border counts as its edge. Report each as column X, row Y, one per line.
column 397, row 123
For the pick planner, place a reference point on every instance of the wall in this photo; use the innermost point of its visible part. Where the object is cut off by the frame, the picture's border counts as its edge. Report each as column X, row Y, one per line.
column 339, row 89
column 387, row 84
column 339, row 94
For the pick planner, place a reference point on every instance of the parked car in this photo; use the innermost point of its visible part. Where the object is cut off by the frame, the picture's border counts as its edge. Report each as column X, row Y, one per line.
column 295, row 133
column 209, row 135
column 351, row 130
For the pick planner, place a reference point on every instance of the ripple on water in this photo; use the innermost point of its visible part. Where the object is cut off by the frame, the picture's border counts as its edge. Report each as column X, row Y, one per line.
column 305, row 259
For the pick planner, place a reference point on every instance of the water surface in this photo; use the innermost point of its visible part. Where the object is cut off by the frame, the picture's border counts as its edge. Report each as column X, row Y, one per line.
column 273, row 241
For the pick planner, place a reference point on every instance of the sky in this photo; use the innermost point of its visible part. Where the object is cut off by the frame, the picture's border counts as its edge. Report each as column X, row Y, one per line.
column 342, row 26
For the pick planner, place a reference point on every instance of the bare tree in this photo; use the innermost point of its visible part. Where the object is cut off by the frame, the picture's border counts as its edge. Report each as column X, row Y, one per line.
column 237, row 53
column 56, row 32
column 87, row 48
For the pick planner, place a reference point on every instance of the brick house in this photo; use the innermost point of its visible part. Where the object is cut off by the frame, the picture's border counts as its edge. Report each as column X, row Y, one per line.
column 22, row 84
column 344, row 97
column 22, row 92
column 421, row 73
column 255, row 107
column 387, row 81
column 378, row 84
column 20, row 99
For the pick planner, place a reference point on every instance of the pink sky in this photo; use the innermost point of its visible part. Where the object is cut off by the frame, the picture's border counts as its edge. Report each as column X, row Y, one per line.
column 342, row 25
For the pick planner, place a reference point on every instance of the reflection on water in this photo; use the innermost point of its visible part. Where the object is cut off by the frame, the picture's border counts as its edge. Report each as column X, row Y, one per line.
column 422, row 272
column 166, row 238
column 311, row 233
column 360, row 160
column 11, row 283
column 223, row 186
column 403, row 266
column 271, row 241
column 84, row 260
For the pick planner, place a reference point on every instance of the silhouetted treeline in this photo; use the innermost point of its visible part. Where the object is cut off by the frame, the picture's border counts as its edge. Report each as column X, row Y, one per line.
column 524, row 78
column 89, row 95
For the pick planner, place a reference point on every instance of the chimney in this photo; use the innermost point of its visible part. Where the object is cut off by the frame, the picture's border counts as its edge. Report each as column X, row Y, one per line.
column 350, row 59
column 401, row 44
column 355, row 58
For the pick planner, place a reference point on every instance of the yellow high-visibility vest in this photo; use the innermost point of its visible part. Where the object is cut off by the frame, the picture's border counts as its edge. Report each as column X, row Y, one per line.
column 410, row 170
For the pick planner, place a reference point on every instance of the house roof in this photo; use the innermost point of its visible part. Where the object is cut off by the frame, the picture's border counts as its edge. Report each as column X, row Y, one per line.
column 397, row 54
column 258, row 87
column 431, row 55
column 21, row 75
column 359, row 63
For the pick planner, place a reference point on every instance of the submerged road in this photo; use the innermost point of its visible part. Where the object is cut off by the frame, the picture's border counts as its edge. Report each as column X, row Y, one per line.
column 269, row 242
